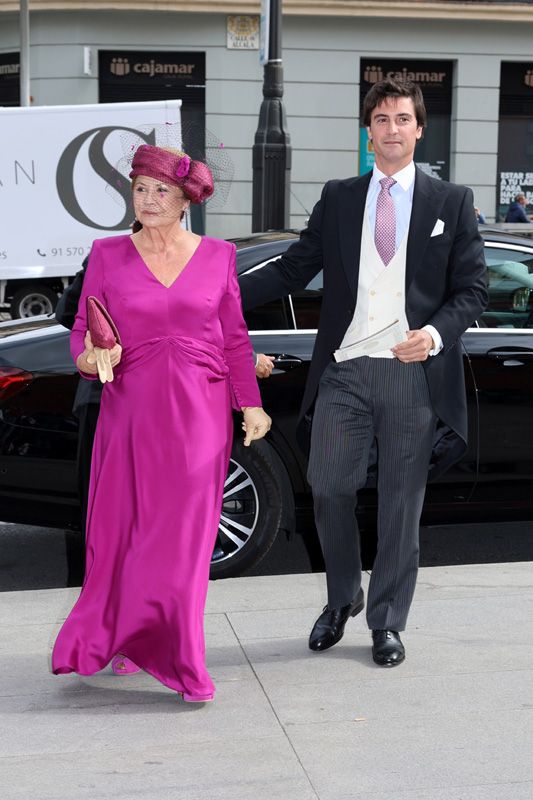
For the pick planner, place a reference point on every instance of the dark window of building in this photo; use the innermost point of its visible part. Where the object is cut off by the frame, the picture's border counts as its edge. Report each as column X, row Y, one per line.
column 9, row 79
column 136, row 75
column 515, row 136
column 435, row 79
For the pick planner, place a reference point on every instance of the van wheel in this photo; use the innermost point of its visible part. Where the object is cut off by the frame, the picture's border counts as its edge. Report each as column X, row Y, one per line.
column 33, row 301
column 251, row 512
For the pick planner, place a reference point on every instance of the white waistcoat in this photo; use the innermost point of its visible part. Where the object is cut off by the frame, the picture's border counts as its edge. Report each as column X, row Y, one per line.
column 380, row 293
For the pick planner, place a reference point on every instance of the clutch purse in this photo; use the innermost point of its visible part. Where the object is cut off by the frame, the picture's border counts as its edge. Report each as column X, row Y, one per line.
column 103, row 330
column 104, row 336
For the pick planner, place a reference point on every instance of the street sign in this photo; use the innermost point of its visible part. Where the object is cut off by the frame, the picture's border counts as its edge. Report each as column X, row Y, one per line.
column 264, row 40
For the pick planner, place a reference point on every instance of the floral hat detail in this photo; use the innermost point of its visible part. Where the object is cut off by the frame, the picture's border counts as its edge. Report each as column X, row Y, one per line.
column 176, row 168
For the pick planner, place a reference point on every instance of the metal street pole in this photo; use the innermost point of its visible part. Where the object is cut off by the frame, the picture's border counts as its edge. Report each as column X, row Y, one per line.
column 24, row 25
column 271, row 153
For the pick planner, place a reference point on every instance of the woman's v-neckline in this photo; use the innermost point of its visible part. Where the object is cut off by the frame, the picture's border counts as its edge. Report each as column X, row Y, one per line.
column 180, row 273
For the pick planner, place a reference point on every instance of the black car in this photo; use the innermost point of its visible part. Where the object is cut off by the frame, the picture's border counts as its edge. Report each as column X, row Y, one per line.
column 266, row 484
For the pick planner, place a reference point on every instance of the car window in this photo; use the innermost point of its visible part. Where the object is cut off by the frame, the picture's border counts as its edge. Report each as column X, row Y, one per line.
column 274, row 316
column 306, row 304
column 510, row 280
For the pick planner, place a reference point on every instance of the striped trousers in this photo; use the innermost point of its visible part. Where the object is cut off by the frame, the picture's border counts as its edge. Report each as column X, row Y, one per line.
column 362, row 401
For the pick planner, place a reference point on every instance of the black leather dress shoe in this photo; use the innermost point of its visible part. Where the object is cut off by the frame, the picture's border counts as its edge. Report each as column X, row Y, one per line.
column 329, row 627
column 387, row 648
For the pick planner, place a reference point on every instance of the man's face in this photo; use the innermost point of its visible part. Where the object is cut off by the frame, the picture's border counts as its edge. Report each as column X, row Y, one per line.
column 522, row 200
column 394, row 133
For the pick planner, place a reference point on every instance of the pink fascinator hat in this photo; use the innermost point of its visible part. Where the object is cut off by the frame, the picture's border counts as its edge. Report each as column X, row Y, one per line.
column 177, row 169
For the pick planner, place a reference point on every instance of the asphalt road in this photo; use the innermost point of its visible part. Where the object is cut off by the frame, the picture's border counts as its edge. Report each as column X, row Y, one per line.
column 46, row 558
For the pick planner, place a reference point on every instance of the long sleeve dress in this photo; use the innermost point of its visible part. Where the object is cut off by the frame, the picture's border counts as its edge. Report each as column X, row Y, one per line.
column 160, row 458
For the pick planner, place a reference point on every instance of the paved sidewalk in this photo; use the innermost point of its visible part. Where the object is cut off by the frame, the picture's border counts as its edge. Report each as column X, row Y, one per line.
column 454, row 722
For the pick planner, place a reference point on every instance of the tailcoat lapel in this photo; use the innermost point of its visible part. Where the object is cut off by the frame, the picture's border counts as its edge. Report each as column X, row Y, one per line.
column 428, row 198
column 352, row 201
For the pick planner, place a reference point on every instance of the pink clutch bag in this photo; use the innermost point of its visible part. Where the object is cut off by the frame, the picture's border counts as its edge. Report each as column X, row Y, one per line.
column 103, row 330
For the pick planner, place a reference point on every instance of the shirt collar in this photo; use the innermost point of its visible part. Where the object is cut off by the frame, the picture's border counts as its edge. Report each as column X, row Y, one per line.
column 405, row 177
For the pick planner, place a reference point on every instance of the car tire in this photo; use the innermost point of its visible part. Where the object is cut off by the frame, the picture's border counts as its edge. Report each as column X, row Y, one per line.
column 251, row 511
column 31, row 301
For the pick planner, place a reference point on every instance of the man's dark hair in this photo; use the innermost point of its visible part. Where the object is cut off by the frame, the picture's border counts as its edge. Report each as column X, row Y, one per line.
column 384, row 89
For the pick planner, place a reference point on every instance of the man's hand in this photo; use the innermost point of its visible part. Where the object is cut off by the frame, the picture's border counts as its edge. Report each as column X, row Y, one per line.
column 264, row 365
column 416, row 348
column 255, row 424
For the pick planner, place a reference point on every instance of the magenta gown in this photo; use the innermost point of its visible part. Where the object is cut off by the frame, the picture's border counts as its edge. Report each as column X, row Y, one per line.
column 160, row 457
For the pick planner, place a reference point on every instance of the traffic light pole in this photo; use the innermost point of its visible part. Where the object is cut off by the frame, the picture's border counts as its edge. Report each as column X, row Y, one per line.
column 271, row 153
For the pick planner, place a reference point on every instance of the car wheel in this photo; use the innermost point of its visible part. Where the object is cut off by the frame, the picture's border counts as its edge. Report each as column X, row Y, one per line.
column 251, row 511
column 33, row 301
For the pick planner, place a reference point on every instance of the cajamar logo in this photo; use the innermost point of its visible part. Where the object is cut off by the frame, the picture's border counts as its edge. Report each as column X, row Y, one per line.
column 122, row 66
column 119, row 66
column 374, row 73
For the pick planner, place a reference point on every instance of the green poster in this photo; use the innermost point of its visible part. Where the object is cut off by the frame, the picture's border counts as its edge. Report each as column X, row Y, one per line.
column 366, row 152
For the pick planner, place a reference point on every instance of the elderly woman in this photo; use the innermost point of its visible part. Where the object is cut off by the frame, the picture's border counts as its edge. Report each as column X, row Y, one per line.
column 164, row 433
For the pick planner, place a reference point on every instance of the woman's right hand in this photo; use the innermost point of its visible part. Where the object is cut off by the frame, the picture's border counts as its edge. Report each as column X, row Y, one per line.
column 87, row 361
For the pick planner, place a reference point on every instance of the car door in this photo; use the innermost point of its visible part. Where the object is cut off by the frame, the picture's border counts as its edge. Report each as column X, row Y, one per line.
column 501, row 353
column 449, row 492
column 273, row 330
column 282, row 394
column 457, row 484
column 38, row 431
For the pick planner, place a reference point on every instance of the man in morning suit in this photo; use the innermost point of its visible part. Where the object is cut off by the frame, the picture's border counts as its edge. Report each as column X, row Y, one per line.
column 394, row 244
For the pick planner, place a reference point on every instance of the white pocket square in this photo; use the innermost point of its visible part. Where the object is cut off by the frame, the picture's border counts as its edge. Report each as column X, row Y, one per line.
column 439, row 228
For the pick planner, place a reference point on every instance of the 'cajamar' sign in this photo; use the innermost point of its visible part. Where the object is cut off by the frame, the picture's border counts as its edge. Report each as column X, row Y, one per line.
column 139, row 66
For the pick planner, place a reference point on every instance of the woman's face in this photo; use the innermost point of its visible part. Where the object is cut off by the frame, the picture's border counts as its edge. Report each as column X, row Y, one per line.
column 157, row 203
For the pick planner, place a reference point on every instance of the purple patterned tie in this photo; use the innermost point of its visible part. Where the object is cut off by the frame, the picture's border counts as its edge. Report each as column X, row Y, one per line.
column 385, row 232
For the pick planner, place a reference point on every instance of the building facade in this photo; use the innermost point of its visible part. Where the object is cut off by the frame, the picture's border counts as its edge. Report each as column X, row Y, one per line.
column 473, row 60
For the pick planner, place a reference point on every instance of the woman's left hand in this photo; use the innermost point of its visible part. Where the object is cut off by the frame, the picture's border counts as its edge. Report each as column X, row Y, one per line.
column 255, row 424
